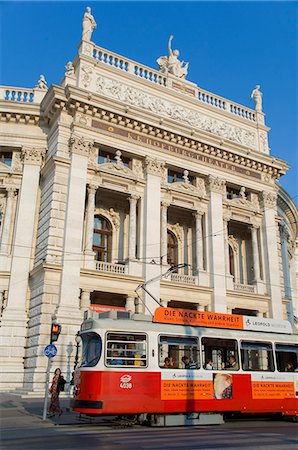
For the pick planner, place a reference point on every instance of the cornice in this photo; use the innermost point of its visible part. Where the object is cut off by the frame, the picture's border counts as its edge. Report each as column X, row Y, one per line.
column 92, row 105
column 18, row 112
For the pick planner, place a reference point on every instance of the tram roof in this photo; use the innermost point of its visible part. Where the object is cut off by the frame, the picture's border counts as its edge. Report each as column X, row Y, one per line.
column 121, row 320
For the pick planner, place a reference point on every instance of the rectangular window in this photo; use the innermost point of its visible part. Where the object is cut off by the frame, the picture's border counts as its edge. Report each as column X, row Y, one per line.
column 126, row 349
column 257, row 356
column 220, row 354
column 177, row 352
column 286, row 357
column 6, row 158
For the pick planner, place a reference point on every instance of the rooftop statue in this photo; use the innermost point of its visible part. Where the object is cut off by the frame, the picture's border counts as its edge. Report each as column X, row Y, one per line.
column 89, row 25
column 257, row 96
column 171, row 64
column 42, row 84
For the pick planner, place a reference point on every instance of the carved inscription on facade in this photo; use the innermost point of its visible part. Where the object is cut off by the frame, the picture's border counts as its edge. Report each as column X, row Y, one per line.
column 175, row 149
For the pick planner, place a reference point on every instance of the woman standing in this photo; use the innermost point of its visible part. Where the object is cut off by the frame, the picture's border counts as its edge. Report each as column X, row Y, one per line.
column 55, row 389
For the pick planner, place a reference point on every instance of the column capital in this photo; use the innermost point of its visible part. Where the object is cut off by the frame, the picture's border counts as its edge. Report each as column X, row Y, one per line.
column 11, row 191
column 153, row 166
column 198, row 214
column 216, row 184
column 32, row 155
column 92, row 188
column 165, row 205
column 133, row 198
column 268, row 199
column 80, row 146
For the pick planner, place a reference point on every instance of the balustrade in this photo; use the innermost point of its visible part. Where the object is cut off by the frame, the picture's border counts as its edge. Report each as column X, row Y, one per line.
column 14, row 94
column 186, row 279
column 109, row 267
column 244, row 287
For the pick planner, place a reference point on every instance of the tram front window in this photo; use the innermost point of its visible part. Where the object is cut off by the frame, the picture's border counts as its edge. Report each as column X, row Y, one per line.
column 220, row 354
column 92, row 347
column 286, row 357
column 179, row 352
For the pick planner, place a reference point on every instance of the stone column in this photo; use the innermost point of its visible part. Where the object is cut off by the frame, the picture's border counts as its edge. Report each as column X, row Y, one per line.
column 130, row 304
column 200, row 307
column 69, row 308
column 216, row 189
column 89, row 254
column 284, row 237
column 271, row 252
column 255, row 253
column 7, row 221
column 85, row 299
column 164, row 232
column 199, row 241
column 132, row 226
column 164, row 302
column 153, row 170
column 13, row 331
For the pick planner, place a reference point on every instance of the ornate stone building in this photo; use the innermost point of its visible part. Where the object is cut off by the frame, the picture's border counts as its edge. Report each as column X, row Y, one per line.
column 116, row 175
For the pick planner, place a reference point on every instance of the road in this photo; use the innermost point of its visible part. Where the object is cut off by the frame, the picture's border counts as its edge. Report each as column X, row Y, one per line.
column 257, row 435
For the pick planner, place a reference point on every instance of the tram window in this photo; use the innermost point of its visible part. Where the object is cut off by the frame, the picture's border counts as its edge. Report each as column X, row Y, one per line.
column 286, row 357
column 177, row 352
column 126, row 349
column 220, row 354
column 257, row 356
column 92, row 348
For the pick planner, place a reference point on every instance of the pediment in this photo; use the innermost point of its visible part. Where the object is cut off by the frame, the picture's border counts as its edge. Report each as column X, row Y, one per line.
column 5, row 168
column 116, row 168
column 186, row 187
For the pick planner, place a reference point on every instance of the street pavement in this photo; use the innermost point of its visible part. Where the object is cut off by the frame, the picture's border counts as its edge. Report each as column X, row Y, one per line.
column 22, row 428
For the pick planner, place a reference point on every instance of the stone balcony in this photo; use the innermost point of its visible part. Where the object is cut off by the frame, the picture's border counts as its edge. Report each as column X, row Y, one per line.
column 111, row 268
column 240, row 287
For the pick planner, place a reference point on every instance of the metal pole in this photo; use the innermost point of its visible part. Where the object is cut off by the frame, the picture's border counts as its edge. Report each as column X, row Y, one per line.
column 46, row 394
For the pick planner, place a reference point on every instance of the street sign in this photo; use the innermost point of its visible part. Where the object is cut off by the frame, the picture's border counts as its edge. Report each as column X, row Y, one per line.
column 50, row 351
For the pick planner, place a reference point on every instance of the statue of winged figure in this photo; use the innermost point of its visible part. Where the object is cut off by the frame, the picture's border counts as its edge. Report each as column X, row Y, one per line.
column 172, row 64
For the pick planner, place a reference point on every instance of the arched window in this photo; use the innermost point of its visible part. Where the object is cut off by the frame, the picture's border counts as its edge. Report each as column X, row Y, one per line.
column 172, row 256
column 102, row 239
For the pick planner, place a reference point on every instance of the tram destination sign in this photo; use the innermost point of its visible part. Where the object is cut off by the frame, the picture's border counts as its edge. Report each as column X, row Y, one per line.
column 218, row 320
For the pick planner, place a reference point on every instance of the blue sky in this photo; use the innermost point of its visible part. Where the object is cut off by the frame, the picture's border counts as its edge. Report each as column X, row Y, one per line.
column 230, row 46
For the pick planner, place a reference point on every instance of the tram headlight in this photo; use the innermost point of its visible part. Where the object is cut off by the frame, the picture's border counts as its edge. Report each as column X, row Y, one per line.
column 76, row 390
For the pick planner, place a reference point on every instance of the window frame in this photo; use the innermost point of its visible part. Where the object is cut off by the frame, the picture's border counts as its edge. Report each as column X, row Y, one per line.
column 100, row 250
column 126, row 366
column 260, row 343
column 236, row 352
column 276, row 351
column 178, row 337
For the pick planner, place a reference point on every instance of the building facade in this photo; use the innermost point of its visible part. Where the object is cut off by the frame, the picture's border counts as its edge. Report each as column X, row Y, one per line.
column 119, row 174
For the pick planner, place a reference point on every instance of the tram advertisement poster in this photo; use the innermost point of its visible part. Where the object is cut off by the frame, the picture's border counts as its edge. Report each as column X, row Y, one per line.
column 180, row 386
column 272, row 386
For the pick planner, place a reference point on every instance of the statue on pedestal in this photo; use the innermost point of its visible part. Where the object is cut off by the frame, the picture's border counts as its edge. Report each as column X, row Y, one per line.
column 171, row 64
column 70, row 70
column 89, row 25
column 257, row 96
column 42, row 84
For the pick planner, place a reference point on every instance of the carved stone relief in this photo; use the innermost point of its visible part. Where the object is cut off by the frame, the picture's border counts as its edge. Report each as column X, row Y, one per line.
column 111, row 215
column 80, row 146
column 17, row 162
column 86, row 75
column 216, row 184
column 32, row 155
column 132, row 96
column 154, row 166
column 137, row 168
column 233, row 243
column 177, row 230
column 269, row 199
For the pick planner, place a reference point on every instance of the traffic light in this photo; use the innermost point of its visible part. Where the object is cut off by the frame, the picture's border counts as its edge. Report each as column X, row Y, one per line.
column 55, row 331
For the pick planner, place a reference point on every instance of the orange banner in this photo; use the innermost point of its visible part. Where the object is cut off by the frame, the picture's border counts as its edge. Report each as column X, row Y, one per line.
column 186, row 390
column 272, row 390
column 198, row 318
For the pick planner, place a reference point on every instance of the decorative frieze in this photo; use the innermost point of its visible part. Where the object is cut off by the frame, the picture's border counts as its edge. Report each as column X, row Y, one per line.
column 172, row 110
column 153, row 166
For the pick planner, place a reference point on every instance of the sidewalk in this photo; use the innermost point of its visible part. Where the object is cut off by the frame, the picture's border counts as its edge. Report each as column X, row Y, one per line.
column 20, row 412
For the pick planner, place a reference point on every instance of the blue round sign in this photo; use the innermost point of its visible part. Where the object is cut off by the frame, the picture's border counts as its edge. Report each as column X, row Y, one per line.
column 50, row 351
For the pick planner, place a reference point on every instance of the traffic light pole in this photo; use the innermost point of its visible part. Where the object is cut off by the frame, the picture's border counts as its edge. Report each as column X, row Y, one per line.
column 46, row 394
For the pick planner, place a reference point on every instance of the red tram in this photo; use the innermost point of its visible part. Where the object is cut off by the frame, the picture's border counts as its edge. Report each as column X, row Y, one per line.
column 186, row 361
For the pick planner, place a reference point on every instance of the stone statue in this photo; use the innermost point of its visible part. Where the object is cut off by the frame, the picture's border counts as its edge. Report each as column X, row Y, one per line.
column 242, row 195
column 171, row 64
column 70, row 71
column 89, row 25
column 42, row 84
column 257, row 96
